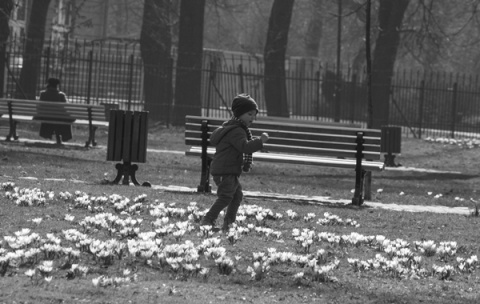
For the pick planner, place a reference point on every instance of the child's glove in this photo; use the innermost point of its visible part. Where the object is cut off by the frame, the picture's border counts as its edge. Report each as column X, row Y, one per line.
column 247, row 167
column 264, row 137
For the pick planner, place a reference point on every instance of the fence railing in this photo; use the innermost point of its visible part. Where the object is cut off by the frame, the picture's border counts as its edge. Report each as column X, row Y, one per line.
column 424, row 104
column 90, row 72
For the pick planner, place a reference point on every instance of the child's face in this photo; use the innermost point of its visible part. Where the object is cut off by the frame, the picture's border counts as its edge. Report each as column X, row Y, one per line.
column 248, row 117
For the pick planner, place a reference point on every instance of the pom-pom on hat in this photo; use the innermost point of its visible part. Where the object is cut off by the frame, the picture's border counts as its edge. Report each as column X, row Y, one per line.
column 242, row 104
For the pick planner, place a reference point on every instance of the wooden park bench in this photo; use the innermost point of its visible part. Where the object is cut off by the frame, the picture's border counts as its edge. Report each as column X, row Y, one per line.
column 307, row 144
column 24, row 110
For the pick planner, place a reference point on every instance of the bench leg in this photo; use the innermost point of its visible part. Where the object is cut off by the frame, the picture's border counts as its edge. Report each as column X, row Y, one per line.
column 13, row 131
column 127, row 171
column 357, row 199
column 205, row 177
column 91, row 137
column 368, row 186
column 390, row 160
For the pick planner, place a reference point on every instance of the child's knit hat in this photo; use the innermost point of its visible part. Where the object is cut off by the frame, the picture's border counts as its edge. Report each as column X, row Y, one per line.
column 242, row 104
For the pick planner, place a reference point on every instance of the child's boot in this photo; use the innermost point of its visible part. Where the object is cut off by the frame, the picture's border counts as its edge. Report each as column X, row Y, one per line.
column 227, row 223
column 208, row 222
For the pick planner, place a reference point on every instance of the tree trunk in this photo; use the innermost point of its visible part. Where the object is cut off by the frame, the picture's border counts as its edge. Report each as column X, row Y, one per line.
column 188, row 99
column 32, row 55
column 5, row 11
column 313, row 36
column 155, row 45
column 274, row 56
column 390, row 16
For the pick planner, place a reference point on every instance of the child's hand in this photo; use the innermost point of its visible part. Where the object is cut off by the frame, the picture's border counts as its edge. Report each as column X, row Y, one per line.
column 264, row 137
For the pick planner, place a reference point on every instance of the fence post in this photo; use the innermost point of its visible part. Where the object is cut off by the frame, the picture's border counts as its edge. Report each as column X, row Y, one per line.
column 169, row 90
column 47, row 69
column 240, row 74
column 3, row 79
column 338, row 95
column 130, row 82
column 317, row 94
column 454, row 109
column 351, row 97
column 211, row 79
column 89, row 83
column 420, row 108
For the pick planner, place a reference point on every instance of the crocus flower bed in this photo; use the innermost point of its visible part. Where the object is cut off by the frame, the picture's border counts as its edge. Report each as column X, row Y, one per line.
column 167, row 238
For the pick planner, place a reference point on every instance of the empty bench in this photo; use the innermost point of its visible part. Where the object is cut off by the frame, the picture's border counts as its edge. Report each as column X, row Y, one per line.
column 307, row 144
column 18, row 110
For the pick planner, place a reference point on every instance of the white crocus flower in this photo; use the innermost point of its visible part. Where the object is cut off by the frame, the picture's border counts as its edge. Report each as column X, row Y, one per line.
column 37, row 220
column 30, row 272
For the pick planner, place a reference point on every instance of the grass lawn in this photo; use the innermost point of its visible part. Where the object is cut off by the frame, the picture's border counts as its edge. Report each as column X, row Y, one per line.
column 67, row 237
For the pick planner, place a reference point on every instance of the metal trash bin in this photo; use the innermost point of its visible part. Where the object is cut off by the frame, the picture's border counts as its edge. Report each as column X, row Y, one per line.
column 127, row 141
column 390, row 145
column 108, row 107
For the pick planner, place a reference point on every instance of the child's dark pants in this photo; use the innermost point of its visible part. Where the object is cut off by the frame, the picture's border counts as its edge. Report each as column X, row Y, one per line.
column 229, row 193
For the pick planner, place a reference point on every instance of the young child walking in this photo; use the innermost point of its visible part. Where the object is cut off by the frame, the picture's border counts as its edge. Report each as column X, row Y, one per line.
column 234, row 146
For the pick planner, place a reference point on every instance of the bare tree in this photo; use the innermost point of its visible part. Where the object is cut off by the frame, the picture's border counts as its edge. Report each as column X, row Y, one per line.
column 155, row 45
column 32, row 53
column 189, row 63
column 6, row 8
column 436, row 31
column 314, row 31
column 390, row 16
column 274, row 56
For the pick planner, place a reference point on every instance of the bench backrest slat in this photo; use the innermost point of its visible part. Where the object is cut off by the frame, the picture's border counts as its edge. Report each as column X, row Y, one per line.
column 53, row 110
column 279, row 142
column 266, row 125
column 295, row 138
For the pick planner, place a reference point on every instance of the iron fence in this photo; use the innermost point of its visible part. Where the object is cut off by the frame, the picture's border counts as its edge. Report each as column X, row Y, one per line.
column 423, row 104
column 92, row 73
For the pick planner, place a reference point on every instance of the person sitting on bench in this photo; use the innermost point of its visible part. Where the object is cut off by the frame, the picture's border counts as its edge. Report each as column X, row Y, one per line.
column 63, row 132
